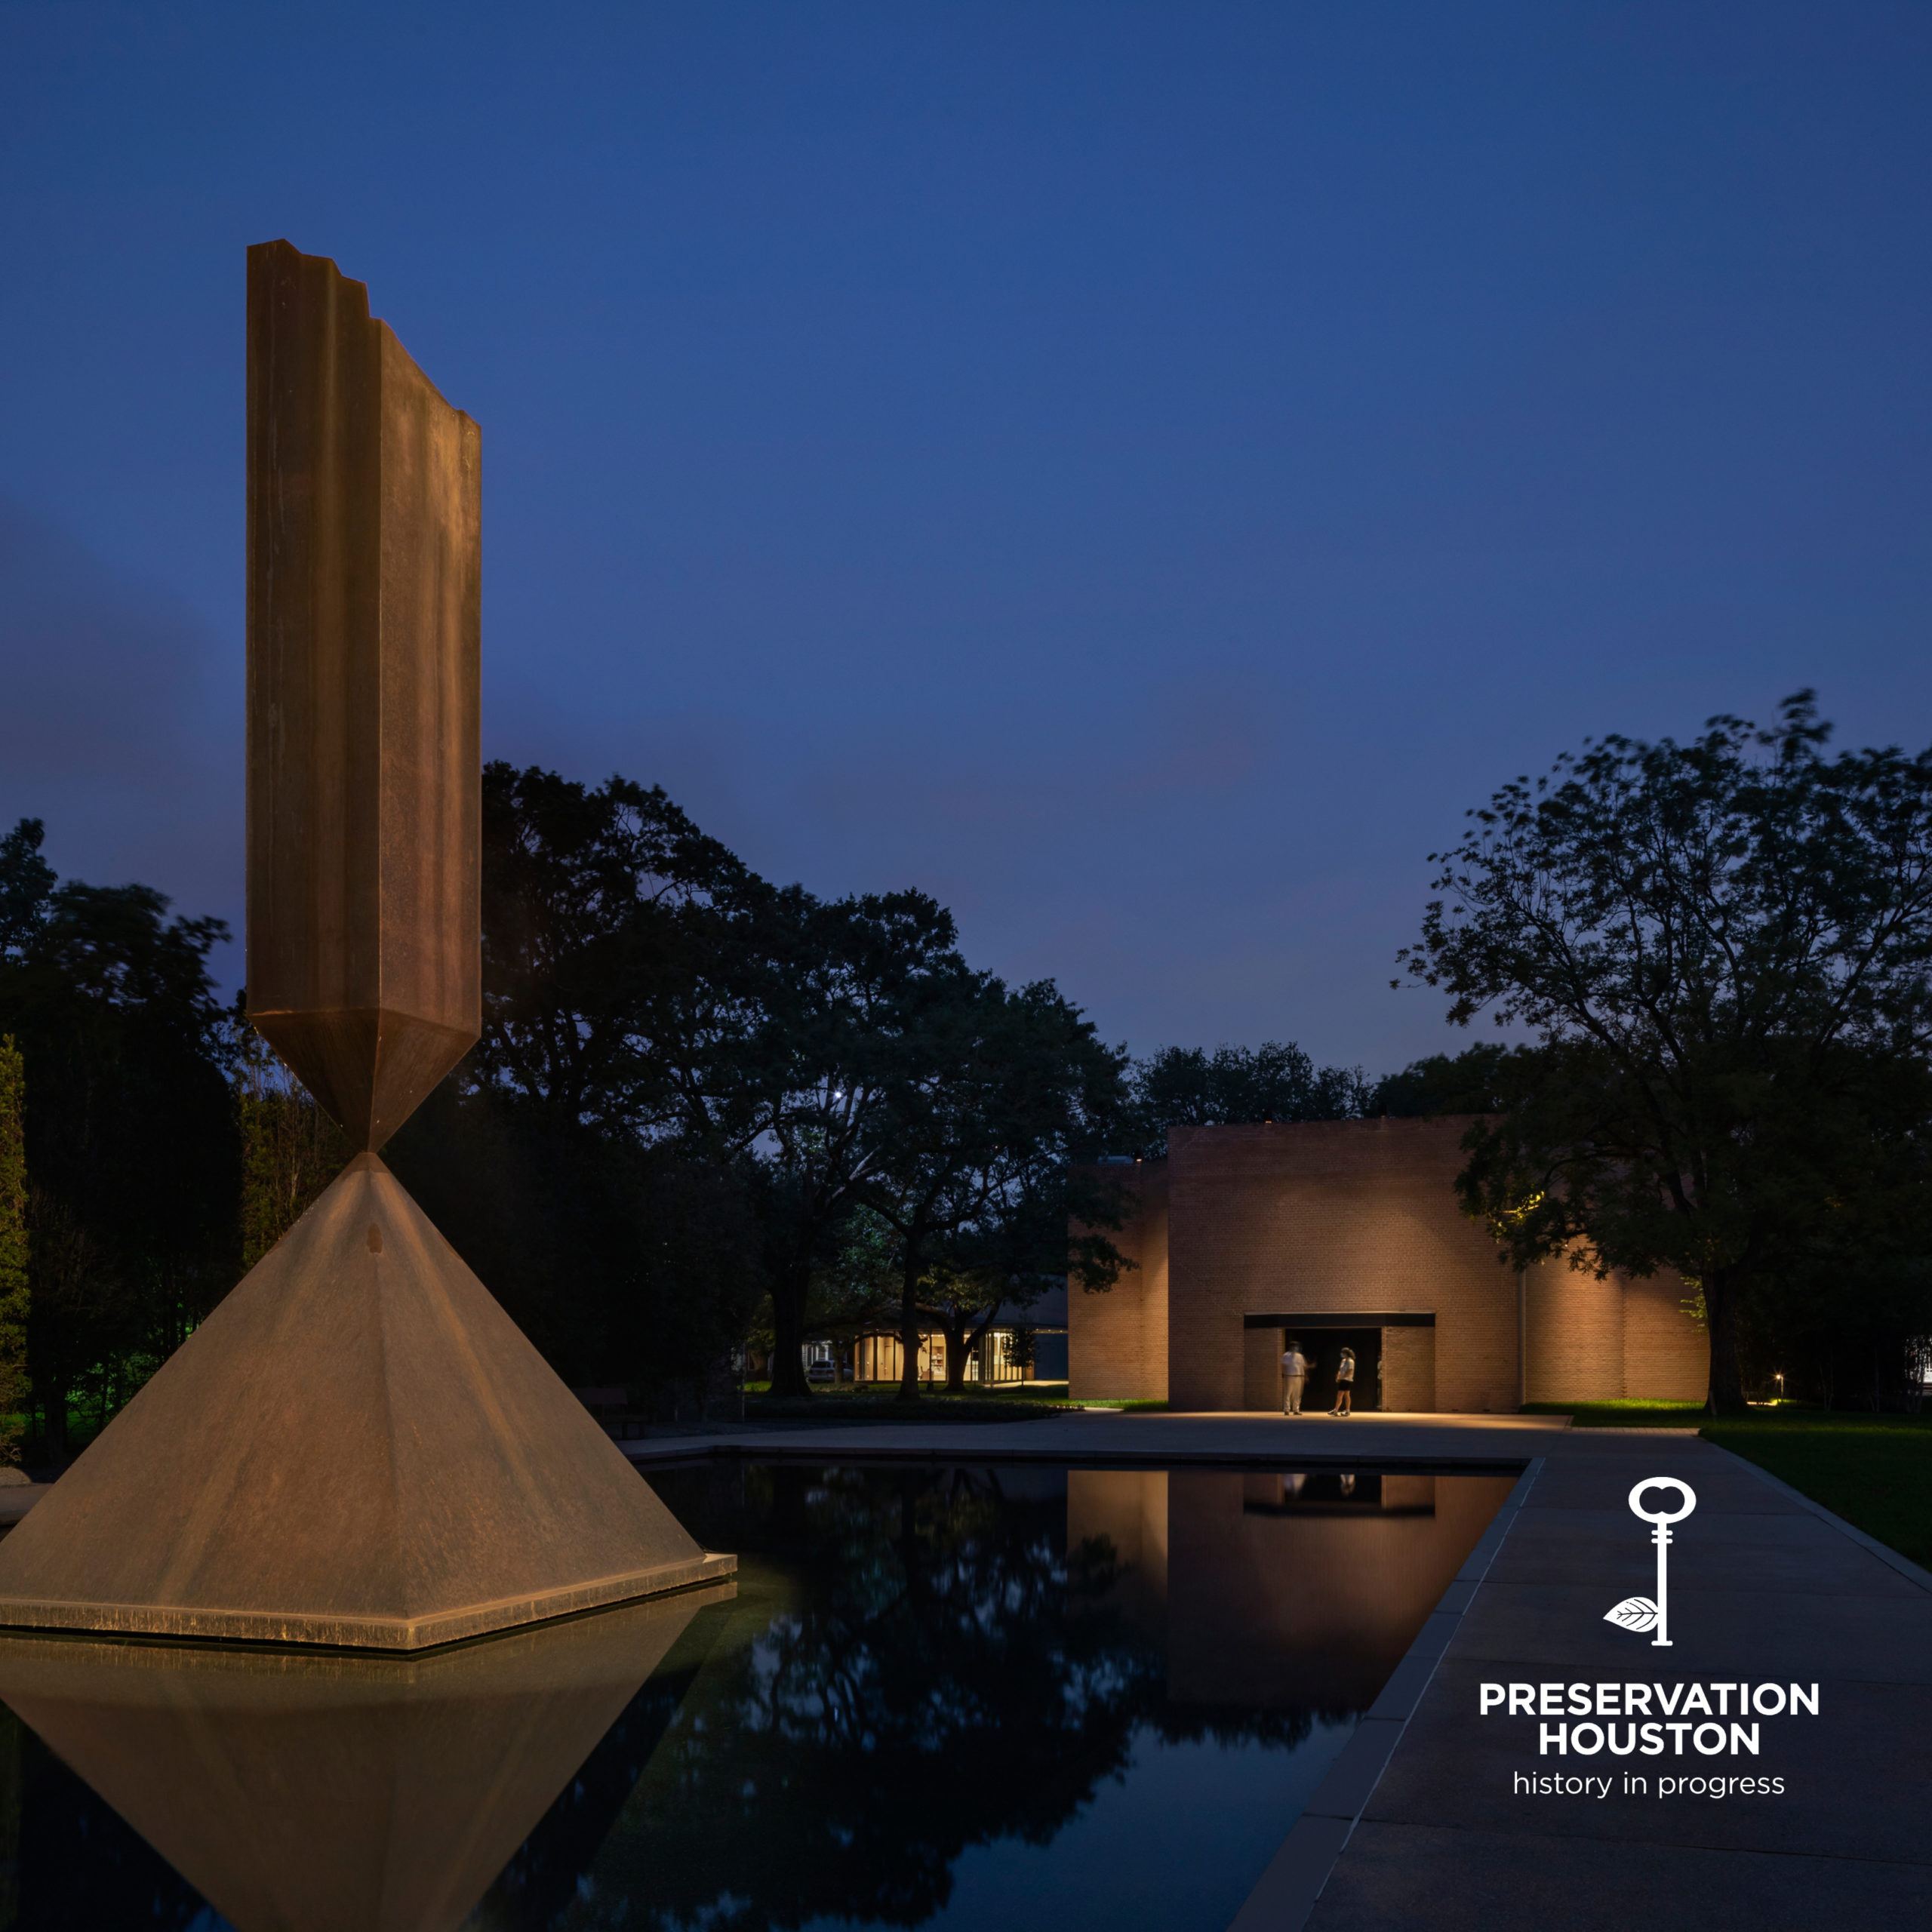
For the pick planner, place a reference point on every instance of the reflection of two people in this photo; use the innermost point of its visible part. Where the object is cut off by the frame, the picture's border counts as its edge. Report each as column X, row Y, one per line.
column 1293, row 1485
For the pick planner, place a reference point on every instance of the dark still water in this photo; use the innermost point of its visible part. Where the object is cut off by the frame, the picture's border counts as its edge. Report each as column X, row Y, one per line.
column 944, row 1697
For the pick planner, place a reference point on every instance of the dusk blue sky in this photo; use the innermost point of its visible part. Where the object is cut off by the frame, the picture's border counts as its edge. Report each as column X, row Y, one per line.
column 1139, row 472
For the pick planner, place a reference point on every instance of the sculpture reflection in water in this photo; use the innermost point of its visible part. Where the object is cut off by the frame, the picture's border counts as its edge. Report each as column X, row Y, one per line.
column 931, row 1689
column 317, row 1792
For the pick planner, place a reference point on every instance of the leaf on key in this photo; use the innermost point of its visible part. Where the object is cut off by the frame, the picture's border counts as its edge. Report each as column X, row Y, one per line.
column 1633, row 1613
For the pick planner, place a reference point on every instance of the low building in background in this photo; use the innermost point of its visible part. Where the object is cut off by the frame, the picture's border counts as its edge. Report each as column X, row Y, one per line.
column 1024, row 1344
column 1348, row 1234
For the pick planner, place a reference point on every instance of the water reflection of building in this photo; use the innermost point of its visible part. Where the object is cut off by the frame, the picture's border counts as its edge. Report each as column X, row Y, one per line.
column 1280, row 1591
column 1348, row 1233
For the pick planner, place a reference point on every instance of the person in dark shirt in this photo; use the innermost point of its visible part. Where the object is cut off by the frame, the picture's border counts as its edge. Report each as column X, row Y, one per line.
column 1345, row 1384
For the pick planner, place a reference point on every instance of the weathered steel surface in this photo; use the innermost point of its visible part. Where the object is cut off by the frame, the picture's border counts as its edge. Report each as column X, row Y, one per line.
column 364, row 602
column 339, row 1794
column 358, row 1447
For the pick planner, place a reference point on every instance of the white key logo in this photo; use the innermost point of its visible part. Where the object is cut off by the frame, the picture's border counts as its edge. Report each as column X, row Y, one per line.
column 1639, row 1613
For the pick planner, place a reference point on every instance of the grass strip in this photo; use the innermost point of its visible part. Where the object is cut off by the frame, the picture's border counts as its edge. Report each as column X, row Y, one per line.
column 1622, row 1415
column 885, row 1408
column 1874, row 1471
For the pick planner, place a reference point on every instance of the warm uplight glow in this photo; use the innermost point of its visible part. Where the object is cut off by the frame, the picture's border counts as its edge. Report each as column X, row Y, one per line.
column 1513, row 1216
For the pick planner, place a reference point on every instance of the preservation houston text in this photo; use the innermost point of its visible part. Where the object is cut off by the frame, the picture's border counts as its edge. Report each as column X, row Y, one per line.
column 1658, row 1718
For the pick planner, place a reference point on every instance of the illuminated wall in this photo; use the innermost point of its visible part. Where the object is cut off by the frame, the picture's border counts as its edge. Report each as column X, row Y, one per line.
column 1331, row 1216
column 1597, row 1341
column 1356, row 1216
column 1117, row 1341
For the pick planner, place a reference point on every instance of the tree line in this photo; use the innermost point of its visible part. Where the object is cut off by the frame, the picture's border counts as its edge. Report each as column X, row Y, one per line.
column 1721, row 953
column 705, row 1106
column 701, row 1104
column 1723, row 950
column 116, row 1100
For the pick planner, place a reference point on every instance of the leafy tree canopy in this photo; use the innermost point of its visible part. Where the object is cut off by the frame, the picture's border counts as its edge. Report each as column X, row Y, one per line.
column 1188, row 1087
column 1725, row 948
column 994, row 1090
column 598, row 910
column 720, row 1075
column 1470, row 1082
column 129, row 1132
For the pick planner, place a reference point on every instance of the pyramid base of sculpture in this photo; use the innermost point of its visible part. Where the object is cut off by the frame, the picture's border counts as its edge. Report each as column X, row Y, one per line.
column 360, row 1633
column 358, row 1448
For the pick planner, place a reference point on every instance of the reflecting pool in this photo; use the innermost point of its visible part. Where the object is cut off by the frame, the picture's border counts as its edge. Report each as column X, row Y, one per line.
column 939, row 1695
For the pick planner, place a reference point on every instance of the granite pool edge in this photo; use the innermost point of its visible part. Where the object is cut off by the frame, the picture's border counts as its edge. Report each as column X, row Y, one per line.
column 840, row 1454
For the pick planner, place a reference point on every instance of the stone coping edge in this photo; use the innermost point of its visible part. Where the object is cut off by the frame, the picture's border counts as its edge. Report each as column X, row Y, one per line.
column 391, row 1634
column 1286, row 1892
column 1904, row 1565
column 839, row 1454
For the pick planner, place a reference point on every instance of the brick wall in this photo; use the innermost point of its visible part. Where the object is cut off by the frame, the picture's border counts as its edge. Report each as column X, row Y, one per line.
column 1261, row 1368
column 1625, row 1337
column 1117, row 1342
column 1575, row 1326
column 1337, row 1215
column 1408, row 1371
column 1331, row 1215
column 1666, row 1356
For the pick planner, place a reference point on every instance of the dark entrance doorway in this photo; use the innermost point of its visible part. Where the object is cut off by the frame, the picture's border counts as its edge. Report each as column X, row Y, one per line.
column 1324, row 1347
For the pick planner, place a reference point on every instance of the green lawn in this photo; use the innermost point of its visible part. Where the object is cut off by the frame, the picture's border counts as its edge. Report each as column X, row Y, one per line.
column 1622, row 1415
column 1874, row 1471
column 869, row 1401
column 1032, row 1395
column 999, row 1391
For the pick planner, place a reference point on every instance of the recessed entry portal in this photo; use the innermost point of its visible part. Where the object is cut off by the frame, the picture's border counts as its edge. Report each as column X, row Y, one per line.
column 1324, row 1347
column 1322, row 1335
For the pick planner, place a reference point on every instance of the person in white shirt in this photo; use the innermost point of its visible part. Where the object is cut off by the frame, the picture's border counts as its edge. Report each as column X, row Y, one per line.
column 1295, row 1377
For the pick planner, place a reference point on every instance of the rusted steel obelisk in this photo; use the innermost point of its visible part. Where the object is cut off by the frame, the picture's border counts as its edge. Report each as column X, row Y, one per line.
column 364, row 759
column 358, row 1447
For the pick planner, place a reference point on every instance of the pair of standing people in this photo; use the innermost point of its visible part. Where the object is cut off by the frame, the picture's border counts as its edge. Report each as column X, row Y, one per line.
column 1295, row 1367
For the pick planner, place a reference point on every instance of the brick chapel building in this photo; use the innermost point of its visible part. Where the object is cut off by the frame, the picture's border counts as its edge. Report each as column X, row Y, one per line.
column 1348, row 1233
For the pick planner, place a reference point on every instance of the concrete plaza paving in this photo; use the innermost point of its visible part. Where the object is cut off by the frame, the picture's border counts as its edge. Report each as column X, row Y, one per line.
column 1422, row 1822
